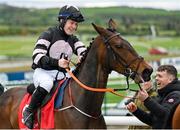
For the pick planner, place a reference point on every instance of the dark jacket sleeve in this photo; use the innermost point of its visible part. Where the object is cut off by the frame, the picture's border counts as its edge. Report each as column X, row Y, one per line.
column 49, row 63
column 143, row 116
column 154, row 107
column 40, row 54
column 161, row 110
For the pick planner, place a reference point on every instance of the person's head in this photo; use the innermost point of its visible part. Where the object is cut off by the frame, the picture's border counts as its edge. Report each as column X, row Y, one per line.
column 165, row 74
column 69, row 17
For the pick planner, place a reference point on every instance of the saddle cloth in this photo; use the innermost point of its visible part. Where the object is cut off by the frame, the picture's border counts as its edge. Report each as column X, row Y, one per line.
column 46, row 112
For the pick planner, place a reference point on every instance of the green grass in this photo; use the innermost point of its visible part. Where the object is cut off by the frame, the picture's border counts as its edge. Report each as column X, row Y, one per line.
column 22, row 46
column 143, row 44
column 111, row 98
column 17, row 46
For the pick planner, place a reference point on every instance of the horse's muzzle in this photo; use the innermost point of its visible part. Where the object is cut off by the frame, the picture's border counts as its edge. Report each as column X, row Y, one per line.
column 146, row 74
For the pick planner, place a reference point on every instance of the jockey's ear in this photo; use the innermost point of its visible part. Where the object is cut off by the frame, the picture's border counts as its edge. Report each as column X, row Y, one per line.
column 112, row 26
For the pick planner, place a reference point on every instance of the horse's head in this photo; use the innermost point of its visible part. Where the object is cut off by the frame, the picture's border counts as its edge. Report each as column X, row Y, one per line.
column 121, row 55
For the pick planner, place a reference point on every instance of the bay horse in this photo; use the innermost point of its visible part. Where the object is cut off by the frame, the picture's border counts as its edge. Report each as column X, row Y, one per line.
column 108, row 51
column 176, row 118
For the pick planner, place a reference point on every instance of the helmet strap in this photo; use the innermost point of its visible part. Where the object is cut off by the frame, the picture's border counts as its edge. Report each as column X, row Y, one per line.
column 62, row 23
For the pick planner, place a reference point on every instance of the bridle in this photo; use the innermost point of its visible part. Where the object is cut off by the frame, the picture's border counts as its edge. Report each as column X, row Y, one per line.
column 128, row 71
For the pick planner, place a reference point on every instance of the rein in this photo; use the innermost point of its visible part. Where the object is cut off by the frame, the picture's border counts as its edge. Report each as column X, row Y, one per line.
column 90, row 89
column 128, row 71
column 111, row 90
column 128, row 74
column 75, row 107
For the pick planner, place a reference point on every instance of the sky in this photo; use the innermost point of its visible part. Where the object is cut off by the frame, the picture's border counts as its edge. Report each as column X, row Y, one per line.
column 158, row 4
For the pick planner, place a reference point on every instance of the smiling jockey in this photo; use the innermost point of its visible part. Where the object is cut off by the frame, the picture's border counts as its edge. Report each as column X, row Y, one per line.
column 48, row 61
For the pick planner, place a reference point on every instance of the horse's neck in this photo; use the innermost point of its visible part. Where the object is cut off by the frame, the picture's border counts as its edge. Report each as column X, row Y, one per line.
column 92, row 74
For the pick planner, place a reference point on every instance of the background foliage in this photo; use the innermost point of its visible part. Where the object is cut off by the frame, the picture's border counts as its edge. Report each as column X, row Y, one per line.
column 132, row 21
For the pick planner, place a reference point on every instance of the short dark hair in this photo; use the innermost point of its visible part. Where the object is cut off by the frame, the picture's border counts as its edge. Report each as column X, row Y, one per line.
column 170, row 69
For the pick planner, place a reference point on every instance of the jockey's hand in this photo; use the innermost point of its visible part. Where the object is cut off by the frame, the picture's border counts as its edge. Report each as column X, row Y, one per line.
column 63, row 63
column 131, row 107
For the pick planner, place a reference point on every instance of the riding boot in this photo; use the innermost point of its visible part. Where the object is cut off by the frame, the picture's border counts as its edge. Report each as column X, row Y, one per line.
column 36, row 100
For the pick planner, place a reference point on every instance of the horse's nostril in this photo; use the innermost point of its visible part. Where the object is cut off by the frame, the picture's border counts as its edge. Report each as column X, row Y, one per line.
column 146, row 75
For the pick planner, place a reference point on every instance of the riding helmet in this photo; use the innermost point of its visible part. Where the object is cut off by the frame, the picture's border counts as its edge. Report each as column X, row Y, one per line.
column 70, row 12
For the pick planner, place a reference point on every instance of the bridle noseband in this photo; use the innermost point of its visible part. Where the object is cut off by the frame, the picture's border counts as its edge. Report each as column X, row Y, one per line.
column 128, row 71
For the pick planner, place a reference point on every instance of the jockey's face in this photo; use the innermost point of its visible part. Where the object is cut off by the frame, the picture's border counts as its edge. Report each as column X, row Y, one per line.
column 70, row 27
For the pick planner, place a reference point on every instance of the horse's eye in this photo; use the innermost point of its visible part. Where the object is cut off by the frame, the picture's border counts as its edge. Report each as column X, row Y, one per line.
column 118, row 46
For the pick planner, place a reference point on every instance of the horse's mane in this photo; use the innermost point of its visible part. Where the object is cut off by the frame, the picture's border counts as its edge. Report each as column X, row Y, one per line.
column 78, row 65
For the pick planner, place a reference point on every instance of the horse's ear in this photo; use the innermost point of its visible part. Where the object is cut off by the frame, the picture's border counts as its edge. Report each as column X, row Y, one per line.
column 98, row 28
column 112, row 25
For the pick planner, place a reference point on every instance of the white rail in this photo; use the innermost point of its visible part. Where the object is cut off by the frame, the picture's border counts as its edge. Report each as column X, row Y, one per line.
column 123, row 120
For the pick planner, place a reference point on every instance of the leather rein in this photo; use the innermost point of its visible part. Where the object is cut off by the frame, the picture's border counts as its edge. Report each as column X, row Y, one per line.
column 111, row 90
column 128, row 72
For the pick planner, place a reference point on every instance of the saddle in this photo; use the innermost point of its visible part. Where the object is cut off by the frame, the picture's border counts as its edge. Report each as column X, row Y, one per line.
column 61, row 84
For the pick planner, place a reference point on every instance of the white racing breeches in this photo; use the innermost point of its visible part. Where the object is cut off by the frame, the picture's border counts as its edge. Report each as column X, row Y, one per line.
column 46, row 78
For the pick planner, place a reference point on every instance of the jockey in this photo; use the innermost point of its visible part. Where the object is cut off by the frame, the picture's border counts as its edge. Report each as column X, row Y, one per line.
column 48, row 57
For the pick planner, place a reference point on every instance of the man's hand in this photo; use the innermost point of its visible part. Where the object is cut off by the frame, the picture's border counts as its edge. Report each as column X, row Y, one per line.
column 142, row 95
column 63, row 63
column 131, row 107
column 147, row 85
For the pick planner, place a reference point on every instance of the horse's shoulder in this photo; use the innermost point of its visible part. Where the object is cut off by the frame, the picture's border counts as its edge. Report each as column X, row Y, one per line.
column 176, row 118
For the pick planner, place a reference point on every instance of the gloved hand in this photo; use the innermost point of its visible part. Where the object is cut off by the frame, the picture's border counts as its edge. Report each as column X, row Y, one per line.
column 63, row 63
